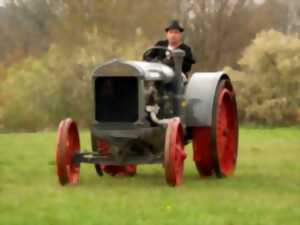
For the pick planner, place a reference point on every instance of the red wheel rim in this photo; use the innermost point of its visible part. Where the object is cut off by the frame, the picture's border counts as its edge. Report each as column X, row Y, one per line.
column 115, row 170
column 202, row 151
column 174, row 154
column 67, row 145
column 225, row 132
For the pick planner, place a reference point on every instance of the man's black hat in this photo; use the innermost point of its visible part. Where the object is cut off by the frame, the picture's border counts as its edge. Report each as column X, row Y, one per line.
column 174, row 24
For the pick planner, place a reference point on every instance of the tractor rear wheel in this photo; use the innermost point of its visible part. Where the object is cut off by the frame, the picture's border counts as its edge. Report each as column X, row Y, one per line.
column 113, row 170
column 224, row 130
column 215, row 147
column 122, row 171
column 67, row 145
column 174, row 154
column 202, row 152
column 99, row 170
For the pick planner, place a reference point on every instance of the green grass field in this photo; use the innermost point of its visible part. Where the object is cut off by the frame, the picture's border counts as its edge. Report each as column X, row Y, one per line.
column 264, row 190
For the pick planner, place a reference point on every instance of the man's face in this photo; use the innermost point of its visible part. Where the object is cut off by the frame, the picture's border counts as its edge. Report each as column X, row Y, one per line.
column 174, row 36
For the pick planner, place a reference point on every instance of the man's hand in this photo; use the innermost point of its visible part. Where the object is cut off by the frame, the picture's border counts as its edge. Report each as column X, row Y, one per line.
column 169, row 62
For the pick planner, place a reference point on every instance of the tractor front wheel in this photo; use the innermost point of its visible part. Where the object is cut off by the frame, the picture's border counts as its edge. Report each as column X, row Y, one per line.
column 174, row 154
column 66, row 146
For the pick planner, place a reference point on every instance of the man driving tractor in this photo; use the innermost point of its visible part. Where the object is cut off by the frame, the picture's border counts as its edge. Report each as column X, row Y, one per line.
column 144, row 113
column 174, row 40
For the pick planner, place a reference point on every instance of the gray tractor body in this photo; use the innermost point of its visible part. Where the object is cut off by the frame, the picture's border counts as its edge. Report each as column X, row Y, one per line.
column 133, row 101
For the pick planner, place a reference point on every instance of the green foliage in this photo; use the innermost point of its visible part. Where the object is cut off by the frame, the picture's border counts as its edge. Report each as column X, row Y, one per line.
column 40, row 92
column 49, row 48
column 263, row 191
column 268, row 90
column 217, row 30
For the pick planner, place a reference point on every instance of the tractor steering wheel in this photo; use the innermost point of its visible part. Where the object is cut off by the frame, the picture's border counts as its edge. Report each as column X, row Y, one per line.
column 168, row 59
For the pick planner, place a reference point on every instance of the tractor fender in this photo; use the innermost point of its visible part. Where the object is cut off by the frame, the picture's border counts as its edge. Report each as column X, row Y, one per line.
column 200, row 95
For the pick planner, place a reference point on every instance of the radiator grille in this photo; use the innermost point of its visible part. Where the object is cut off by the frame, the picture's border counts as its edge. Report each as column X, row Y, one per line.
column 116, row 99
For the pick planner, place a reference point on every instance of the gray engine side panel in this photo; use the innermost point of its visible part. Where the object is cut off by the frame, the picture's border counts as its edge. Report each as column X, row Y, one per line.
column 148, row 70
column 200, row 94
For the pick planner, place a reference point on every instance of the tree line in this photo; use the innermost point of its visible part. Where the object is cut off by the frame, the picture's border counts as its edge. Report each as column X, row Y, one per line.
column 48, row 49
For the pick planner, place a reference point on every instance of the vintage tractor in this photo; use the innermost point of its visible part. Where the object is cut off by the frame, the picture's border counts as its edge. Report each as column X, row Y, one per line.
column 144, row 113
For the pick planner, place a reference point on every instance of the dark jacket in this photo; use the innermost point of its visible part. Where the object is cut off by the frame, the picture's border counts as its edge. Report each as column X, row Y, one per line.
column 160, row 54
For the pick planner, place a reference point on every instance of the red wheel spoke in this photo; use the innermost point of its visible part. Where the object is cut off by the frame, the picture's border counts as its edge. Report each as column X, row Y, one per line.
column 174, row 153
column 116, row 170
column 67, row 145
column 202, row 152
column 215, row 147
column 225, row 148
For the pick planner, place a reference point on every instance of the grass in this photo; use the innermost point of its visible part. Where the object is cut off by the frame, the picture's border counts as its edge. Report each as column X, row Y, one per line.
column 264, row 191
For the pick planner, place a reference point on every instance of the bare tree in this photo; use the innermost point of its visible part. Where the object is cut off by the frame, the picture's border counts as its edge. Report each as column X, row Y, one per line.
column 212, row 26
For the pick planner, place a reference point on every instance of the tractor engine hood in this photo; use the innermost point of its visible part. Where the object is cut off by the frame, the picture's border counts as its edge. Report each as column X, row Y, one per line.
column 148, row 70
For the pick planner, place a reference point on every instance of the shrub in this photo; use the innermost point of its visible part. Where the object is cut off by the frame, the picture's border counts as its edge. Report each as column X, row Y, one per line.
column 39, row 92
column 268, row 90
